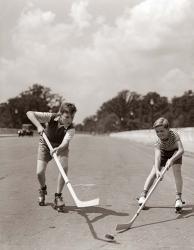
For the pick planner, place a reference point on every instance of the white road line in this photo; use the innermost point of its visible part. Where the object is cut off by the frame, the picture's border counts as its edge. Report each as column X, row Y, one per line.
column 84, row 185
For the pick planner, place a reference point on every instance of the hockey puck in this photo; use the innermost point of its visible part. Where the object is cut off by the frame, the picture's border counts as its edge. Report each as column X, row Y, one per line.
column 109, row 236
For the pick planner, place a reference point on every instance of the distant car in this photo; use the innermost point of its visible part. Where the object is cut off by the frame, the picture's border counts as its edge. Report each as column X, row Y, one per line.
column 26, row 129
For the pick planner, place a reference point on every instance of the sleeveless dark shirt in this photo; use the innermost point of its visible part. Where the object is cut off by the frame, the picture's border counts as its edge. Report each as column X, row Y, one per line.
column 55, row 132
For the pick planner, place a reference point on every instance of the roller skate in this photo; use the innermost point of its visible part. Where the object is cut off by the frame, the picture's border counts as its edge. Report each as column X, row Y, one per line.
column 179, row 205
column 42, row 193
column 58, row 202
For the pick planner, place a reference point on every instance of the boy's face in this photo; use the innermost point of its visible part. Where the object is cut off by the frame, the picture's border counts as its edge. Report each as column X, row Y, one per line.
column 66, row 119
column 162, row 132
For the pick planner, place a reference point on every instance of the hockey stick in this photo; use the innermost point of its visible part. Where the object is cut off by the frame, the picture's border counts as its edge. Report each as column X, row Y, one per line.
column 123, row 227
column 78, row 203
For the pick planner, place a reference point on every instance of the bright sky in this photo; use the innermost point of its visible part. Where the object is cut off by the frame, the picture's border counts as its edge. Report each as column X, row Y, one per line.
column 89, row 50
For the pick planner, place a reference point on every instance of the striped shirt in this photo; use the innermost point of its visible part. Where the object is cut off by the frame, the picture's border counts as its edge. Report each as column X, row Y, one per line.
column 55, row 132
column 170, row 143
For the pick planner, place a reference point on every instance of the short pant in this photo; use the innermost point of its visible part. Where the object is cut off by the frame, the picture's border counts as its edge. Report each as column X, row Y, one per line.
column 165, row 155
column 44, row 153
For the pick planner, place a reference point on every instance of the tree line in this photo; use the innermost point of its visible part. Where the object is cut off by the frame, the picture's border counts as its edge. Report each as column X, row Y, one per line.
column 128, row 110
column 37, row 97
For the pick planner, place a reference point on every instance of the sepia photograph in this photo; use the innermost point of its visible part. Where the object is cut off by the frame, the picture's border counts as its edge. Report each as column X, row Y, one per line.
column 97, row 125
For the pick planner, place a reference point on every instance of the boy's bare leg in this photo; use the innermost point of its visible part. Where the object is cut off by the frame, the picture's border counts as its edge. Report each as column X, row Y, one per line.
column 41, row 168
column 148, row 183
column 61, row 182
column 178, row 178
column 179, row 185
column 59, row 204
column 150, row 180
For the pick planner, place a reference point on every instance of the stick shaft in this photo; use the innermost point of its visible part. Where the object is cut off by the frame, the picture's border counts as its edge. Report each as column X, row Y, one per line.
column 149, row 194
column 69, row 186
column 58, row 163
column 120, row 227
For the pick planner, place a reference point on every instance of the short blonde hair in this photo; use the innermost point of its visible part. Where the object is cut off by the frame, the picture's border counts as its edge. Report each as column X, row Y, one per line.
column 161, row 122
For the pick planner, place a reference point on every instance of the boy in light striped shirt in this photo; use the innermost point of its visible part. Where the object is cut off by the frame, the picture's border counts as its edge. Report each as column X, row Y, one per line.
column 168, row 151
column 60, row 131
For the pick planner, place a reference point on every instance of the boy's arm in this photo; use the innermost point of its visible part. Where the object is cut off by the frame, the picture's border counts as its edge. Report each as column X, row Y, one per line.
column 65, row 143
column 37, row 118
column 177, row 154
column 157, row 160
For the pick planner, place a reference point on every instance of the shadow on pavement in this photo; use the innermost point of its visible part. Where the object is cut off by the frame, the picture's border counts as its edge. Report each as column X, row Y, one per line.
column 102, row 213
column 188, row 211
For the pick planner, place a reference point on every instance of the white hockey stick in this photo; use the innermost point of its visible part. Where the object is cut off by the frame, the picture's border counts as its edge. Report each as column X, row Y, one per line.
column 78, row 203
column 123, row 227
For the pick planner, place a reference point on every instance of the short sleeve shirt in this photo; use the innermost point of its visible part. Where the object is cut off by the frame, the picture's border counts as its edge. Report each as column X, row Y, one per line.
column 169, row 143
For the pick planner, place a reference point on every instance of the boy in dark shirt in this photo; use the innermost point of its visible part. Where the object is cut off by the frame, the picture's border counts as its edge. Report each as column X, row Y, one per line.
column 60, row 131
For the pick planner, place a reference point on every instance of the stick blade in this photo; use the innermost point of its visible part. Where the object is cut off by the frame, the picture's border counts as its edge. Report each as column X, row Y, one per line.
column 90, row 203
column 123, row 227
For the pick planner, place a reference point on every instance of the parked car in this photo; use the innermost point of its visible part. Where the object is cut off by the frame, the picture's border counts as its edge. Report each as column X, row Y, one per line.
column 26, row 129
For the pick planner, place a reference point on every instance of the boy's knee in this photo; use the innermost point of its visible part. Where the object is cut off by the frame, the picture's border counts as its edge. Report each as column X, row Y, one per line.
column 64, row 162
column 177, row 168
column 177, row 172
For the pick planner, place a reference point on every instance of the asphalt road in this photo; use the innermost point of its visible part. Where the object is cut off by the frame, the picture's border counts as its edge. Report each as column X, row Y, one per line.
column 113, row 170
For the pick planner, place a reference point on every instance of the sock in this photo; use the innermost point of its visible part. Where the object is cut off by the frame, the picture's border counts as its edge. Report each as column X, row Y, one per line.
column 144, row 193
column 44, row 188
column 178, row 195
column 58, row 194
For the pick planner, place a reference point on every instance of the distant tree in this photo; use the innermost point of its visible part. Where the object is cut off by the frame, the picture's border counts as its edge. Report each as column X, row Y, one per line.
column 153, row 107
column 6, row 118
column 120, row 106
column 89, row 124
column 79, row 127
column 129, row 110
column 108, row 123
column 182, row 109
column 37, row 98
